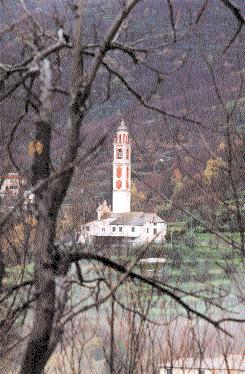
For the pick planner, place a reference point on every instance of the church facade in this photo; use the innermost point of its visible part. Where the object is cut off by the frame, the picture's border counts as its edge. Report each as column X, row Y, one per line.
column 119, row 225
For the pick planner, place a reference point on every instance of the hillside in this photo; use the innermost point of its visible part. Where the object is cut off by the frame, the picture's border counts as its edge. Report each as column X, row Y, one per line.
column 169, row 155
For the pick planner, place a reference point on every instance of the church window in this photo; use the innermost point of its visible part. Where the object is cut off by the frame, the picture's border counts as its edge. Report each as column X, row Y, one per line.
column 147, row 230
column 133, row 229
column 113, row 228
column 120, row 229
column 127, row 184
column 155, row 231
column 127, row 171
column 87, row 228
column 118, row 184
column 169, row 371
column 119, row 153
column 127, row 154
column 120, row 140
column 119, row 172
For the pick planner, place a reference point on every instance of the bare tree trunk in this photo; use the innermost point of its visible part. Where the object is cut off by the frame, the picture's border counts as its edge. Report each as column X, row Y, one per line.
column 45, row 305
column 2, row 263
column 44, row 269
column 49, row 200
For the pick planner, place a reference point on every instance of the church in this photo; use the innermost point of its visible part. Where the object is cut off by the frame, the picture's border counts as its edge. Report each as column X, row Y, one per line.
column 120, row 226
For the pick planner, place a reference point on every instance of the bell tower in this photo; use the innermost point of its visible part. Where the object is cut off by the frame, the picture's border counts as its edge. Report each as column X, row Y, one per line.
column 121, row 171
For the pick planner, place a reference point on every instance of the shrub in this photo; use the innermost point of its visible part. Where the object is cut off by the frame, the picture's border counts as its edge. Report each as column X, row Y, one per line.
column 190, row 239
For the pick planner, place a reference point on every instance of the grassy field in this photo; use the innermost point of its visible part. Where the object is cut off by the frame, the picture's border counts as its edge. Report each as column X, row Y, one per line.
column 196, row 262
column 204, row 263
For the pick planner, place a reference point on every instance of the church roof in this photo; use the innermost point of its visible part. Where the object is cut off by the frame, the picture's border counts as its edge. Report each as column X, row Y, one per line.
column 134, row 218
column 128, row 219
column 122, row 126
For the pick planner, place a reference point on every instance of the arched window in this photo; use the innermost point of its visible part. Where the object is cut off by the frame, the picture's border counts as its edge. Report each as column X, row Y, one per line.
column 119, row 153
column 119, row 172
column 118, row 184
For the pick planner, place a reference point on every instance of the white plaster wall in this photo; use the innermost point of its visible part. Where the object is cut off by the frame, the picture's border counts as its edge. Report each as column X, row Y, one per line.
column 140, row 235
column 149, row 236
column 103, row 228
column 121, row 201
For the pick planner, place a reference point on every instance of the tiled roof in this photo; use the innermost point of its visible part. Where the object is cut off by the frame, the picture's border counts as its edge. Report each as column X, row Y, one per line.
column 128, row 219
column 135, row 218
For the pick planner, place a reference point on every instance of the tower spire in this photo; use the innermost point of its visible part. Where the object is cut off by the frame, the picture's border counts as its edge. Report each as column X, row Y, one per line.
column 121, row 171
column 122, row 126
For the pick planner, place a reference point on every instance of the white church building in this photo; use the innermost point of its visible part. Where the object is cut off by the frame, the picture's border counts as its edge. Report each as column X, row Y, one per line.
column 12, row 184
column 119, row 225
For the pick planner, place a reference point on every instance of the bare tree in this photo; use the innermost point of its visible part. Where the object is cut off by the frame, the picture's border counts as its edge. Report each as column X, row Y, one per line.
column 35, row 80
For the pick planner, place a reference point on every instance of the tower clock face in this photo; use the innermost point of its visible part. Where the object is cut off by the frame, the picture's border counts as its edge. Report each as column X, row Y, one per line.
column 118, row 184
